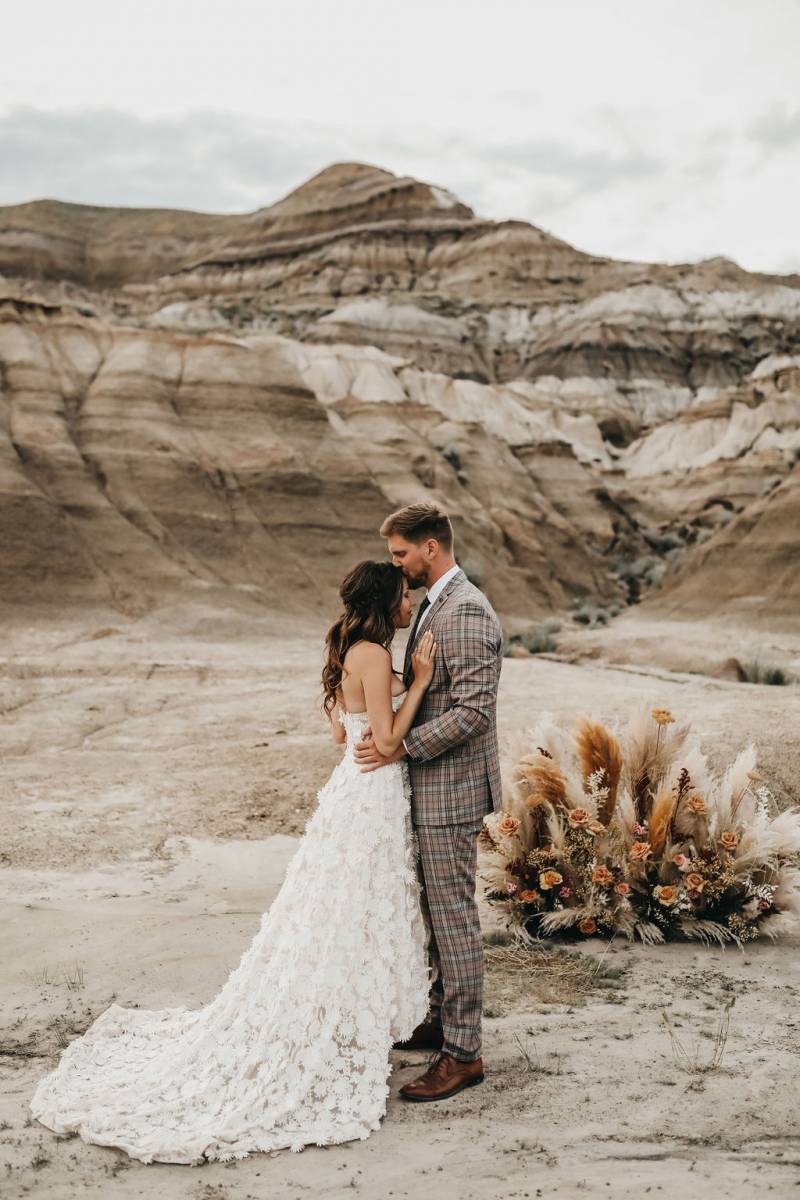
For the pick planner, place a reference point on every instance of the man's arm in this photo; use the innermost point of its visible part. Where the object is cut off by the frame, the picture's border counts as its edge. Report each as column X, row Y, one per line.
column 469, row 646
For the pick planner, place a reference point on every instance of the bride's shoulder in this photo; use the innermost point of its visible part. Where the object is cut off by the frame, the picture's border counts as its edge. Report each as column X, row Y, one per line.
column 368, row 652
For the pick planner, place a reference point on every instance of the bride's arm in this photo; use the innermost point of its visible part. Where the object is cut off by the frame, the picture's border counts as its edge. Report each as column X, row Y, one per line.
column 388, row 727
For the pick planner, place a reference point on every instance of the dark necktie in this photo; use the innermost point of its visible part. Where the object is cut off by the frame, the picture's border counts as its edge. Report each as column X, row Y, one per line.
column 420, row 611
column 410, row 643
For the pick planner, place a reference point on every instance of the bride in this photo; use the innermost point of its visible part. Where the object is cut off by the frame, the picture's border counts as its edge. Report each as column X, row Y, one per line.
column 294, row 1048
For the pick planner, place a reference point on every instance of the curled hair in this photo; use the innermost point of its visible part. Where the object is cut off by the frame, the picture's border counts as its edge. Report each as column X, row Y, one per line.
column 371, row 594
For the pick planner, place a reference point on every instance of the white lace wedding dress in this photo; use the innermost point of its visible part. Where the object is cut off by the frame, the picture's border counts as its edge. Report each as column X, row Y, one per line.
column 294, row 1049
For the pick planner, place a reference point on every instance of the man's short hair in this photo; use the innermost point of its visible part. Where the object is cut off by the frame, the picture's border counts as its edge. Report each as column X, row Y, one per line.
column 418, row 522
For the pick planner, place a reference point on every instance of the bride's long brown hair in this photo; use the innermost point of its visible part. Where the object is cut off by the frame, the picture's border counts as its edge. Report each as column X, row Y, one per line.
column 371, row 594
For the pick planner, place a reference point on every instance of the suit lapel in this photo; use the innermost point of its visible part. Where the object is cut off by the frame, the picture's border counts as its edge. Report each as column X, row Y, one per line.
column 431, row 613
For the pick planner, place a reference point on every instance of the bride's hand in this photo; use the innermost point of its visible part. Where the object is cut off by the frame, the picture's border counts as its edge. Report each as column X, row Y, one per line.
column 423, row 659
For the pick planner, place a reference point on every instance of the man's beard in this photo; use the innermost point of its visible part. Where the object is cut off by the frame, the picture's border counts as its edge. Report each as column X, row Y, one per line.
column 414, row 581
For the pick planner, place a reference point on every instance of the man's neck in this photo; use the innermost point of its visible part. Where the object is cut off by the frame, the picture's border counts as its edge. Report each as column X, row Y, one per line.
column 440, row 571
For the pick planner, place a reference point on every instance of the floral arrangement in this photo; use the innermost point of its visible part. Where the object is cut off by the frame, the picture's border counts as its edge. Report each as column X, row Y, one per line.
column 638, row 836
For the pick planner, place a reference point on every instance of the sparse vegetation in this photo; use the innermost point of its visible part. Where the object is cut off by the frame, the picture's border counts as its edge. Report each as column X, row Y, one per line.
column 539, row 640
column 519, row 975
column 757, row 672
column 74, row 978
column 694, row 1061
column 593, row 616
column 534, row 1062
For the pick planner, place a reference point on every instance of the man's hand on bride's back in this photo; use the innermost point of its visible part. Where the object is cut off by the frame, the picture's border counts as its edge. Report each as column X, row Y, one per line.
column 369, row 757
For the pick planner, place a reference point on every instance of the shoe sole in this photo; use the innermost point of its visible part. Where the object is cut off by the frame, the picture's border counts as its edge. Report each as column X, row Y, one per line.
column 446, row 1096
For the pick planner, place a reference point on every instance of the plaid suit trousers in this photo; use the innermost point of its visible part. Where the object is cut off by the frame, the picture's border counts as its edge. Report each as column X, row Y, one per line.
column 447, row 863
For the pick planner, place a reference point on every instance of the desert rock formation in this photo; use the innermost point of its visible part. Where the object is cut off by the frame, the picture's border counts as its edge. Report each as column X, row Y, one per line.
column 220, row 401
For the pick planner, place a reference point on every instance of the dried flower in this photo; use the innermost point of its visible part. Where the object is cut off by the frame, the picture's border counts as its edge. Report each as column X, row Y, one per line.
column 596, row 826
column 507, row 825
column 681, row 862
column 695, row 882
column 639, row 851
column 550, row 879
column 622, row 889
column 578, row 818
column 587, row 926
column 696, row 804
column 755, row 776
column 511, row 888
column 662, row 716
column 565, row 892
column 529, row 896
column 729, row 840
column 603, row 876
column 640, row 831
column 666, row 895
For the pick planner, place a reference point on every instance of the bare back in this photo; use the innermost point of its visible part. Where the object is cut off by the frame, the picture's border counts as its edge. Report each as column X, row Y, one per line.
column 351, row 690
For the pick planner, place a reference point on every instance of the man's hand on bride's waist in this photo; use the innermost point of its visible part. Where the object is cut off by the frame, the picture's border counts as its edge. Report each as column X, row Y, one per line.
column 369, row 757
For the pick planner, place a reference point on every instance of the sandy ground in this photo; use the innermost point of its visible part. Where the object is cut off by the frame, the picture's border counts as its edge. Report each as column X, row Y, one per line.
column 155, row 781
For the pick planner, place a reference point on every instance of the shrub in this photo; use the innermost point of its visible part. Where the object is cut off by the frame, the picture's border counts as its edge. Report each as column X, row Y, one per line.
column 755, row 672
column 535, row 641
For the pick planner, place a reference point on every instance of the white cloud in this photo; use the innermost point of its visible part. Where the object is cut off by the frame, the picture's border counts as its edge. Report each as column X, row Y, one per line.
column 631, row 130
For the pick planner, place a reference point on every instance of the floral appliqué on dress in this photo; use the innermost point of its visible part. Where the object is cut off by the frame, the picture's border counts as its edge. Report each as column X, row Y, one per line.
column 294, row 1049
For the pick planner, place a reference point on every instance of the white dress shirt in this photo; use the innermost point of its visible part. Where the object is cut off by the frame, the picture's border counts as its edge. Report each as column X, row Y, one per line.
column 434, row 591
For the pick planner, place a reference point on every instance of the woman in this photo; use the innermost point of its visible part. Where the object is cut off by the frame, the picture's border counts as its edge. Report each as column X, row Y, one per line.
column 294, row 1049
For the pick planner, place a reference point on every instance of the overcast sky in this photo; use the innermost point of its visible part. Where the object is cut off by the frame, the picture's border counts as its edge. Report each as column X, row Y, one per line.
column 646, row 130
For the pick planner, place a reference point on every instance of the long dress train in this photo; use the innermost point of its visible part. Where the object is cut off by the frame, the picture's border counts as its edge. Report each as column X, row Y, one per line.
column 294, row 1048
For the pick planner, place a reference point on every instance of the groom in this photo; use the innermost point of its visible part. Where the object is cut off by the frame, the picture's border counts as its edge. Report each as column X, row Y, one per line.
column 455, row 777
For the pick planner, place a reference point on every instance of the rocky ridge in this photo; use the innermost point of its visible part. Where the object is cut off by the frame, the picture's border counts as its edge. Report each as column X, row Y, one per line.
column 224, row 399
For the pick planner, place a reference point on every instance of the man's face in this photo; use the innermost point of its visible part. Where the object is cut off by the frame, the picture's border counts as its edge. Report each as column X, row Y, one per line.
column 413, row 560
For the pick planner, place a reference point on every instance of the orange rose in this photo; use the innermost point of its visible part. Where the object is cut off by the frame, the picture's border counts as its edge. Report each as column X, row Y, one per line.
column 623, row 889
column 640, row 851
column 696, row 804
column 550, row 879
column 578, row 818
column 529, row 896
column 666, row 895
column 729, row 840
column 603, row 876
column 695, row 882
column 587, row 926
column 507, row 825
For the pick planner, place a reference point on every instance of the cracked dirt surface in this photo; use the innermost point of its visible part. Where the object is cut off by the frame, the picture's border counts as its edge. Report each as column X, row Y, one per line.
column 156, row 775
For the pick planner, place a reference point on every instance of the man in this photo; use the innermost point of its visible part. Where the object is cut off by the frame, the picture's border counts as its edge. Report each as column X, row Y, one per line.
column 453, row 763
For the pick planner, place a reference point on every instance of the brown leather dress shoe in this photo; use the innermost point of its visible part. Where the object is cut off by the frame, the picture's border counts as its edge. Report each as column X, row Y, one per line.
column 445, row 1076
column 425, row 1037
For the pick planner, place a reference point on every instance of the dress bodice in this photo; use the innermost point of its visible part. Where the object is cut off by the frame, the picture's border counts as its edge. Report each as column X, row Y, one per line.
column 356, row 723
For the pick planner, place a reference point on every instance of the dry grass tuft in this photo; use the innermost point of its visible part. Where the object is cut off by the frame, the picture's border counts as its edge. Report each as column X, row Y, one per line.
column 520, row 978
column 694, row 1061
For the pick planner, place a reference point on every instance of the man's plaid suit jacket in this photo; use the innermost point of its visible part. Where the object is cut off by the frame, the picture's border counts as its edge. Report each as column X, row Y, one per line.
column 453, row 756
